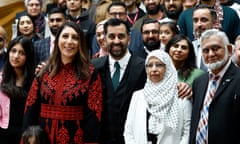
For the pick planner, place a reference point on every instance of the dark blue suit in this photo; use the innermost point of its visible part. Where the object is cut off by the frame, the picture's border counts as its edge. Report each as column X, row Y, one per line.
column 224, row 111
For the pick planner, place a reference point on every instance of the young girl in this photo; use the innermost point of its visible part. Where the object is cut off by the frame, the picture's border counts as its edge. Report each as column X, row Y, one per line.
column 17, row 76
column 35, row 135
column 168, row 28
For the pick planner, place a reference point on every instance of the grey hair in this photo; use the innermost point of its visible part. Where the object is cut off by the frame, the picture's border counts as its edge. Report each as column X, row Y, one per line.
column 27, row 1
column 214, row 32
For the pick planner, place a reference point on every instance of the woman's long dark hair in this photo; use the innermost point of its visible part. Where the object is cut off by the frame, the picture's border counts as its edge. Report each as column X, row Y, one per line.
column 190, row 62
column 81, row 60
column 8, row 83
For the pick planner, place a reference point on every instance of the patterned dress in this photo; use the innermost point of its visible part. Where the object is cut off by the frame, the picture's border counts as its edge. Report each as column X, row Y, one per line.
column 68, row 109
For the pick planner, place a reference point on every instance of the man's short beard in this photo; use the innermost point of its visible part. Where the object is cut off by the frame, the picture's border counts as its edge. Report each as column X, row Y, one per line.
column 154, row 11
column 152, row 45
column 173, row 14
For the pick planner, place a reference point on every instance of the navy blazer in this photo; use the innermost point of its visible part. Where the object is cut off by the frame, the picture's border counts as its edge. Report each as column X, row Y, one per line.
column 42, row 50
column 116, row 103
column 224, row 111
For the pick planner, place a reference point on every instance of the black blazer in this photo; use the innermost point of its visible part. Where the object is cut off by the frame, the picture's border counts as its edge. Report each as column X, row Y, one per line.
column 224, row 111
column 116, row 103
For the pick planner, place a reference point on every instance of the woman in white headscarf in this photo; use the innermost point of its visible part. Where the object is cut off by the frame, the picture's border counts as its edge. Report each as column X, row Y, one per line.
column 156, row 115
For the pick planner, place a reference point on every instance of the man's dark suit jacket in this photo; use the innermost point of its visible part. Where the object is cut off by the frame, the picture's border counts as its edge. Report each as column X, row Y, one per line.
column 42, row 50
column 116, row 103
column 224, row 111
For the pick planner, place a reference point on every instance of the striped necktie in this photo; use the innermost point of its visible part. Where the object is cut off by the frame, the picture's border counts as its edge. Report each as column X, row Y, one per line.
column 202, row 131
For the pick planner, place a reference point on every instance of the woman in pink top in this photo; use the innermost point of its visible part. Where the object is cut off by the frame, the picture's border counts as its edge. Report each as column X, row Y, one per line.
column 17, row 76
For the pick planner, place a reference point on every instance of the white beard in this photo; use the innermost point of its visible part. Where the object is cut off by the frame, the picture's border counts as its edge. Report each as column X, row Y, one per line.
column 218, row 64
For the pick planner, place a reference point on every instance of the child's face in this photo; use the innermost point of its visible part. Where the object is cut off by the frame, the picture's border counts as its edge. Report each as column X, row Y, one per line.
column 165, row 34
column 32, row 140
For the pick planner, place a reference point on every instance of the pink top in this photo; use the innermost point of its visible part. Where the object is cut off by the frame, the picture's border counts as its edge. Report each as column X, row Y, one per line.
column 4, row 110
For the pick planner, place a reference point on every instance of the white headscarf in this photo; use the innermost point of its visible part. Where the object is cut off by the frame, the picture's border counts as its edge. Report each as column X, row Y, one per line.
column 162, row 97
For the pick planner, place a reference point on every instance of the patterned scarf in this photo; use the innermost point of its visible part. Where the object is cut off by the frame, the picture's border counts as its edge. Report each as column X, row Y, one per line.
column 162, row 97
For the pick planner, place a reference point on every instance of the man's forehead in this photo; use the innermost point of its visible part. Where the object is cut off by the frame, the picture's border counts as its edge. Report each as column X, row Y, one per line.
column 117, row 9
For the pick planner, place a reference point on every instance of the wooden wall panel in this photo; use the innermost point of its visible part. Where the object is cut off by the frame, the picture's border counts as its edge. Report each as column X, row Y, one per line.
column 8, row 10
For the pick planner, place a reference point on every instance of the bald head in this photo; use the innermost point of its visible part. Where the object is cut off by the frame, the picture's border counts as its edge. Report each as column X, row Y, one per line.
column 3, row 37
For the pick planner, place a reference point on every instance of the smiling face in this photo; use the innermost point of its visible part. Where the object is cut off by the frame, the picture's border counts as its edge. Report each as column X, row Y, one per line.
column 17, row 56
column 117, row 40
column 34, row 8
column 55, row 21
column 165, row 34
column 68, row 44
column 179, row 51
column 150, row 35
column 155, row 69
column 26, row 26
column 100, row 36
column 215, row 53
column 173, row 8
column 202, row 20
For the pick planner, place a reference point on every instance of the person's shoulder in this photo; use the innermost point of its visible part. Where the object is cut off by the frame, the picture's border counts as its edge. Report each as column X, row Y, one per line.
column 40, row 42
column 137, row 59
column 229, row 11
column 197, row 71
column 99, row 62
column 138, row 94
column 187, row 11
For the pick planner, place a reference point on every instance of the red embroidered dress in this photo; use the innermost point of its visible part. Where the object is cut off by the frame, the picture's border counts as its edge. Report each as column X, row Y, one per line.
column 69, row 109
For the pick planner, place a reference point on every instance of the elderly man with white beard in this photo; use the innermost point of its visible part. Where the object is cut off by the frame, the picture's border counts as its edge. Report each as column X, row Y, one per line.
column 216, row 94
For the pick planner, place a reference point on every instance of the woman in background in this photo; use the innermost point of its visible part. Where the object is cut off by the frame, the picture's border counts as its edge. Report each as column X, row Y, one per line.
column 26, row 27
column 183, row 57
column 17, row 76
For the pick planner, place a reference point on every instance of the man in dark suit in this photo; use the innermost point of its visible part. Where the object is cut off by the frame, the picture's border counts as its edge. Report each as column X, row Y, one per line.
column 132, row 77
column 43, row 48
column 216, row 103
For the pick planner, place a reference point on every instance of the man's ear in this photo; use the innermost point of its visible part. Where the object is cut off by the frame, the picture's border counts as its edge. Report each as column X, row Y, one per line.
column 230, row 49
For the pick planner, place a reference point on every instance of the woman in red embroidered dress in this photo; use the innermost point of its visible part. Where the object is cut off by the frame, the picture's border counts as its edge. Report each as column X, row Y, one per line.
column 66, row 97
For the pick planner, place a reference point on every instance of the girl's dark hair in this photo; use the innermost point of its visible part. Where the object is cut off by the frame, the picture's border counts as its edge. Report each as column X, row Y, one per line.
column 81, row 60
column 8, row 83
column 190, row 62
column 38, row 133
column 31, row 18
column 172, row 25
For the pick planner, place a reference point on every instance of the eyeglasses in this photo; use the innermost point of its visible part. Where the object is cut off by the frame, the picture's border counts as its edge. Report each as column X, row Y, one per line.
column 157, row 65
column 114, row 14
column 34, row 4
column 56, row 19
column 154, row 32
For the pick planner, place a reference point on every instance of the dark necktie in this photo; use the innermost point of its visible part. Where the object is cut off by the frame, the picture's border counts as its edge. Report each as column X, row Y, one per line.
column 116, row 75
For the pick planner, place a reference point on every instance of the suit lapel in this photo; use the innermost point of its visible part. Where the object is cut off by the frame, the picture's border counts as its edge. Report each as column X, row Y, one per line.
column 203, row 86
column 225, row 81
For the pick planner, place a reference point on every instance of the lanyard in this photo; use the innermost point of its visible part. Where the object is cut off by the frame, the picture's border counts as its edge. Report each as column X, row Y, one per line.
column 135, row 18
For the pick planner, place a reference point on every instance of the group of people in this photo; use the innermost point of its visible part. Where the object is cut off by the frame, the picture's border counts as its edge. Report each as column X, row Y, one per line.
column 167, row 74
